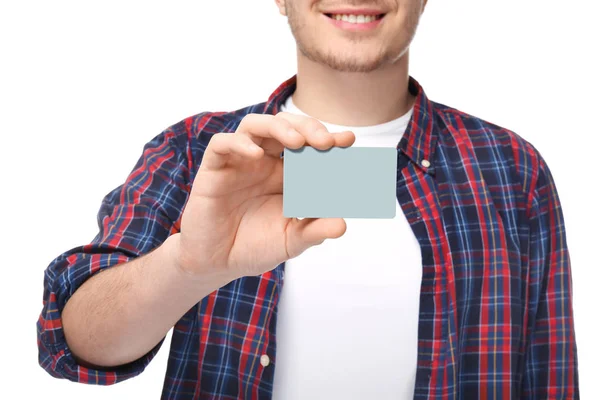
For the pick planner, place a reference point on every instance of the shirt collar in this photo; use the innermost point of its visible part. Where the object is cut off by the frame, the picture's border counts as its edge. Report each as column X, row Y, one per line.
column 418, row 141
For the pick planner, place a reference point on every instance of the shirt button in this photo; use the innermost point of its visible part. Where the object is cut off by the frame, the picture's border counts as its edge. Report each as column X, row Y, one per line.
column 425, row 163
column 264, row 360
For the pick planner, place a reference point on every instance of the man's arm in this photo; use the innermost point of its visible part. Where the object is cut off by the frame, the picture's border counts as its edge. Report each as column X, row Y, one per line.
column 118, row 316
column 95, row 293
column 551, row 356
column 115, row 316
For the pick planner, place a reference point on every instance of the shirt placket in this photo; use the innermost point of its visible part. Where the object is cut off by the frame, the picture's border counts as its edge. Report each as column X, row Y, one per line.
column 418, row 199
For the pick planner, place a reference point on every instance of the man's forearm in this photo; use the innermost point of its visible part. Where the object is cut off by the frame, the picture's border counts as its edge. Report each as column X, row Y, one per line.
column 120, row 314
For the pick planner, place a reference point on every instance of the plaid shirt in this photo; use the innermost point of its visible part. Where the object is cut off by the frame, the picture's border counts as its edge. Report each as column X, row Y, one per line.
column 496, row 319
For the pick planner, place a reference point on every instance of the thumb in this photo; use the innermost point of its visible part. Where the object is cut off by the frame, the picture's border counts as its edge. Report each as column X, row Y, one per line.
column 308, row 232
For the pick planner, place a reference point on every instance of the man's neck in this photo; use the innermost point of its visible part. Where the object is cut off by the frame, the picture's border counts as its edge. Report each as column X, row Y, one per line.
column 353, row 99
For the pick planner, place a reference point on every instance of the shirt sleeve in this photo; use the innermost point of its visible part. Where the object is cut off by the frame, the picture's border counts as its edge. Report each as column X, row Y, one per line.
column 551, row 357
column 133, row 219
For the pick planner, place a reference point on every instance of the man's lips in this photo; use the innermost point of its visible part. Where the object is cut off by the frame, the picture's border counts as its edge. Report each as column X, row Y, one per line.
column 355, row 20
column 376, row 15
column 354, row 11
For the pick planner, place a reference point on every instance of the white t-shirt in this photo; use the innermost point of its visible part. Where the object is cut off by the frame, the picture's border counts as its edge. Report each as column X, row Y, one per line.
column 349, row 308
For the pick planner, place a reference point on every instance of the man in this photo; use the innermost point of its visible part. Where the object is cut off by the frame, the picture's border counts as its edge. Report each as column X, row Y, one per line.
column 466, row 293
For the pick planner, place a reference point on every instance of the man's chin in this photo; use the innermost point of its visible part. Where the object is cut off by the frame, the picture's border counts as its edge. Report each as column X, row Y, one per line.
column 354, row 65
column 346, row 63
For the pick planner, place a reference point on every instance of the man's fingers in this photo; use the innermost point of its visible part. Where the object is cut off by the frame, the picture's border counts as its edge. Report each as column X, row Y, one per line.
column 314, row 132
column 308, row 232
column 223, row 145
column 272, row 134
column 344, row 139
column 262, row 126
column 290, row 130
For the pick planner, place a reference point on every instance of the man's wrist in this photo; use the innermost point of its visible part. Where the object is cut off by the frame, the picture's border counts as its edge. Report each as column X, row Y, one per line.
column 203, row 275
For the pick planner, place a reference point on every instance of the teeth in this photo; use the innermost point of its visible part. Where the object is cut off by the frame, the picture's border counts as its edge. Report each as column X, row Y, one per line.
column 354, row 19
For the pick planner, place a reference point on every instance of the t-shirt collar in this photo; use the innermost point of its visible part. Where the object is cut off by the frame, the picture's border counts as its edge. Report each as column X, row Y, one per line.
column 419, row 139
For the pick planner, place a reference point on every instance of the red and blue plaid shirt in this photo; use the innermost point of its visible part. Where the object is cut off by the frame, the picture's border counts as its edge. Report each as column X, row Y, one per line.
column 496, row 319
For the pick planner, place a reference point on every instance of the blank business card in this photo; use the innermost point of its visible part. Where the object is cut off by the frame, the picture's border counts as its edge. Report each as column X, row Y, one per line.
column 351, row 182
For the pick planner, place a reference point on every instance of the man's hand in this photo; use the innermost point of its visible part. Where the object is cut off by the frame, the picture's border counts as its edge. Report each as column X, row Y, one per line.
column 233, row 220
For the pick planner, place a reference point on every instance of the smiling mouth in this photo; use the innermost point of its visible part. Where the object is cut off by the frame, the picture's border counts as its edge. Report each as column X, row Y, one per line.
column 355, row 19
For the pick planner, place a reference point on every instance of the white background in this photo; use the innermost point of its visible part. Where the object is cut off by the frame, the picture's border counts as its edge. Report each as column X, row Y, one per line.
column 84, row 85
